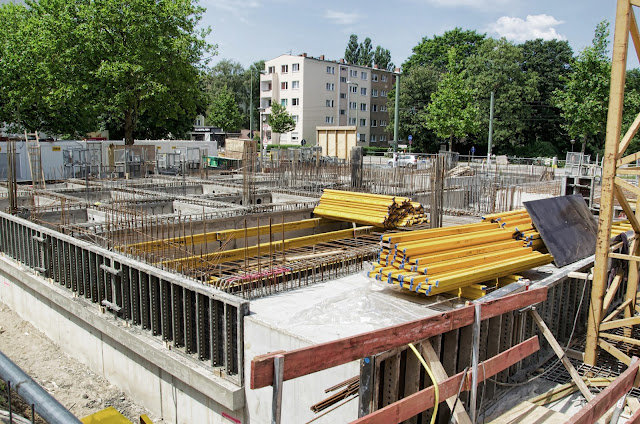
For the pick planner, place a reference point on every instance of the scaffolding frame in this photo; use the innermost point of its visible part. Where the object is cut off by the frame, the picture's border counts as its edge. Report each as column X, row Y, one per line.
column 613, row 186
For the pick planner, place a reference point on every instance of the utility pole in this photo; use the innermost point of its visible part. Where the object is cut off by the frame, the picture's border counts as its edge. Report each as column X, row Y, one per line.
column 395, row 115
column 490, row 128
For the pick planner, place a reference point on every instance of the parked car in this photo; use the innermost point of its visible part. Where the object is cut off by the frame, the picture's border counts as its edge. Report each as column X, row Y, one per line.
column 405, row 160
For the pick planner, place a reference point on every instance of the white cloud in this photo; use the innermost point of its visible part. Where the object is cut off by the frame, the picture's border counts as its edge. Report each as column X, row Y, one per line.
column 341, row 18
column 534, row 26
column 478, row 4
column 237, row 8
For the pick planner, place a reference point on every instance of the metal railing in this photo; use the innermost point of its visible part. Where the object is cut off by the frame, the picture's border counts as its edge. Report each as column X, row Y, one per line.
column 204, row 323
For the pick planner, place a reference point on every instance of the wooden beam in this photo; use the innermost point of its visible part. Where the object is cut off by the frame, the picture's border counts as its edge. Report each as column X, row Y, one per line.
column 577, row 379
column 611, row 292
column 631, row 216
column 440, row 374
column 624, row 322
column 633, row 28
column 632, row 170
column 616, row 311
column 412, row 405
column 614, row 351
column 628, row 159
column 612, row 141
column 631, row 132
column 608, row 397
column 624, row 339
column 624, row 257
column 627, row 186
column 311, row 359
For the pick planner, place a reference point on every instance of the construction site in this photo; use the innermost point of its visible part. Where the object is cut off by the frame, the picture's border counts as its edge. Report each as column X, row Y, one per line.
column 292, row 289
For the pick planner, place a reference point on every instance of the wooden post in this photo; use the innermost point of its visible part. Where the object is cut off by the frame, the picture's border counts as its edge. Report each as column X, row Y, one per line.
column 614, row 123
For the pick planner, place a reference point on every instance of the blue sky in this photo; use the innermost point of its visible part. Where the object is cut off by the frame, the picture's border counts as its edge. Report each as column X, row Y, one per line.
column 249, row 30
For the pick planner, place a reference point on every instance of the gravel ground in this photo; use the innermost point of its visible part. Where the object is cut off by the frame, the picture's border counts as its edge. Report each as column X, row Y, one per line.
column 72, row 383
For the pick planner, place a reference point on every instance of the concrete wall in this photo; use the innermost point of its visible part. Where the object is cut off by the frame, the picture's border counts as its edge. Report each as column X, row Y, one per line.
column 168, row 384
column 298, row 394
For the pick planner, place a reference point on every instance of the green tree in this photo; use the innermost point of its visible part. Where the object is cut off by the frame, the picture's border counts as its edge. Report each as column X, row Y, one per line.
column 452, row 112
column 497, row 67
column 352, row 52
column 224, row 112
column 280, row 120
column 585, row 96
column 551, row 60
column 416, row 87
column 365, row 57
column 253, row 73
column 433, row 51
column 139, row 62
column 382, row 58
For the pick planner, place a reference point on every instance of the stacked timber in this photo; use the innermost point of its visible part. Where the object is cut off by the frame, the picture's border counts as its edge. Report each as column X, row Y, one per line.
column 370, row 209
column 520, row 224
column 455, row 260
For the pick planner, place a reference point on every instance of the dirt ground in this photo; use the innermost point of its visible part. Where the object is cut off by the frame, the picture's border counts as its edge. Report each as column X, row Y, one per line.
column 72, row 383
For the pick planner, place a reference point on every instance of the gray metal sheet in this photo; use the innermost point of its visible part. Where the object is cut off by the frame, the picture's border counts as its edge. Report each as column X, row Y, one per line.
column 566, row 226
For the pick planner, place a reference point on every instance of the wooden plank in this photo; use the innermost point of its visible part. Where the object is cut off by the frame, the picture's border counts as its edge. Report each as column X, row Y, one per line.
column 616, row 311
column 626, row 207
column 611, row 292
column 628, row 159
column 624, row 339
column 425, row 399
column 560, row 353
column 440, row 374
column 624, row 322
column 311, row 359
column 631, row 132
column 633, row 28
column 624, row 257
column 614, row 351
column 527, row 412
column 607, row 398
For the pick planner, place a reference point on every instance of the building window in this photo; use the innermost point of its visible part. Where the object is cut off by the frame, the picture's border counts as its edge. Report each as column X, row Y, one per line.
column 331, row 69
column 383, row 108
column 198, row 123
column 343, row 79
column 295, row 118
column 383, row 122
column 374, row 77
column 374, row 108
column 295, row 67
column 353, row 73
column 285, row 69
column 362, row 137
column 294, row 136
column 374, row 93
column 272, row 69
column 383, row 138
column 363, row 76
column 328, row 119
column 363, row 107
column 284, row 85
column 383, row 93
column 384, row 78
column 353, row 105
column 374, row 123
column 363, row 122
column 372, row 139
column 295, row 101
column 329, row 103
column 343, row 112
column 352, row 121
column 354, row 89
column 284, row 102
column 343, row 68
column 295, row 85
column 363, row 91
column 331, row 86
column 268, row 87
column 343, row 95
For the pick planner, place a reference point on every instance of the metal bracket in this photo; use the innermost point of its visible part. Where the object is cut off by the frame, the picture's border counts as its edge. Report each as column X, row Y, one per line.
column 111, row 270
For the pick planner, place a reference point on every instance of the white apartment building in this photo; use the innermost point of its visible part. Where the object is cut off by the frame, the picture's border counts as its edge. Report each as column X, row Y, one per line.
column 318, row 92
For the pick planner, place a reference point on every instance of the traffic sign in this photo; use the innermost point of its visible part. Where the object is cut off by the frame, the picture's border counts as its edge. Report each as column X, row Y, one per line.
column 410, row 138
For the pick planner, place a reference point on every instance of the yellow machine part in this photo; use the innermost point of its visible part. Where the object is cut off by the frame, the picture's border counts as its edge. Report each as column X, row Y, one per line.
column 108, row 415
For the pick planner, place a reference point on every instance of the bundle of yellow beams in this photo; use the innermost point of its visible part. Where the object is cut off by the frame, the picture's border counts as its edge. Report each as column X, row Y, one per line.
column 455, row 259
column 520, row 224
column 370, row 209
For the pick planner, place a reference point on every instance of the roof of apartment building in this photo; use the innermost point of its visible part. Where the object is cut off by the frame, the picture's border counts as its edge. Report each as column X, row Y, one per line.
column 321, row 58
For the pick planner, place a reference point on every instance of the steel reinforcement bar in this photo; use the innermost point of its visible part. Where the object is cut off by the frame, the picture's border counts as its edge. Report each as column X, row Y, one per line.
column 204, row 323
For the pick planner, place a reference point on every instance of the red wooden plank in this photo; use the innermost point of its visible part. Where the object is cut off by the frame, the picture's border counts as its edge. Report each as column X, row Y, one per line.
column 425, row 399
column 323, row 356
column 635, row 418
column 319, row 357
column 608, row 397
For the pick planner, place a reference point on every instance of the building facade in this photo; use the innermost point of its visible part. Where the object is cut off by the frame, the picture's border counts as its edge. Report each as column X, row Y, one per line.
column 319, row 92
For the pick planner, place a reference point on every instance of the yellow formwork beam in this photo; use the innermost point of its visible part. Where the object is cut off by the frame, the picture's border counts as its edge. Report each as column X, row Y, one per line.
column 501, row 215
column 461, row 263
column 450, row 243
column 459, row 253
column 352, row 194
column 264, row 248
column 224, row 235
column 432, row 233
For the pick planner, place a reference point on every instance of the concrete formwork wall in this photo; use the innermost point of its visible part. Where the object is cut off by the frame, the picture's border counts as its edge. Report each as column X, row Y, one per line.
column 106, row 351
column 336, row 141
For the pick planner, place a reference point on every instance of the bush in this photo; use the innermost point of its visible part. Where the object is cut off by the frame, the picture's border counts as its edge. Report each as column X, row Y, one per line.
column 283, row 146
column 370, row 150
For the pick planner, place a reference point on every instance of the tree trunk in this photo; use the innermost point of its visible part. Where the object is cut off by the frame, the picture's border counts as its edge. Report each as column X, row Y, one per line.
column 128, row 127
column 450, row 143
